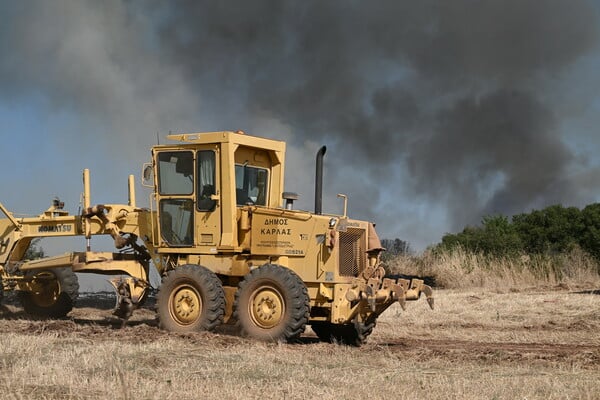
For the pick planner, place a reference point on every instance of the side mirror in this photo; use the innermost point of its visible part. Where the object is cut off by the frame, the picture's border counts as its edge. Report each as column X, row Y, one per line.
column 148, row 175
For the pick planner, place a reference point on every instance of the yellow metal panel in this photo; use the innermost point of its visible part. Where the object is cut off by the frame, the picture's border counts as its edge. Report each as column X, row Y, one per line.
column 63, row 260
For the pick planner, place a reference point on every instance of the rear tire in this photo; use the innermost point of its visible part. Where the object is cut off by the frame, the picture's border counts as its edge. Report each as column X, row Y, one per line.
column 190, row 299
column 59, row 290
column 272, row 304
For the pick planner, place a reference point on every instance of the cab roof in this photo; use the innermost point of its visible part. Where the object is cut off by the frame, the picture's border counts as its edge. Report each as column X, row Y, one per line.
column 239, row 138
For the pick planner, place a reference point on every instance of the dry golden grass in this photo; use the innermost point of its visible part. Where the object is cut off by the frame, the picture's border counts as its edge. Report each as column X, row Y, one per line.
column 509, row 328
column 477, row 344
column 462, row 269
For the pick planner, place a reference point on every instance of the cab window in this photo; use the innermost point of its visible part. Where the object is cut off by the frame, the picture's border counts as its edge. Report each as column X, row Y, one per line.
column 251, row 184
column 176, row 172
column 177, row 221
column 206, row 180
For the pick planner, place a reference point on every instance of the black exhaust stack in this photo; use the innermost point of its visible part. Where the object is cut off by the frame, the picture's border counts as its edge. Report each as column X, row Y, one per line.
column 319, row 181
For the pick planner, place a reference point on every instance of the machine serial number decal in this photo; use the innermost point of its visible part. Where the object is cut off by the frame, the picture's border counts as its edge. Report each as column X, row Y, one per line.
column 54, row 228
column 294, row 252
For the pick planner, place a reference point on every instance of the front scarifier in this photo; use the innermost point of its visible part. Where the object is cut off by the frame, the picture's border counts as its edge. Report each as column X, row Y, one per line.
column 368, row 295
column 379, row 292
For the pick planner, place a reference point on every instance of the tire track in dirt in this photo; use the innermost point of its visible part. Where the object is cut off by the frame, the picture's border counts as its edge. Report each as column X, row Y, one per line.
column 582, row 354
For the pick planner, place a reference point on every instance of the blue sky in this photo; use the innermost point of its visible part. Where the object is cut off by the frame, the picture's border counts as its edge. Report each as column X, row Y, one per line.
column 434, row 114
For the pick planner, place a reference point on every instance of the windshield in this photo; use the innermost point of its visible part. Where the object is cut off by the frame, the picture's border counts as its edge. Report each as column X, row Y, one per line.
column 176, row 172
column 251, row 184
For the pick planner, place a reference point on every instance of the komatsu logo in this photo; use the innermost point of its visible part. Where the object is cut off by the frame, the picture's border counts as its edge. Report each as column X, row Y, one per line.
column 54, row 228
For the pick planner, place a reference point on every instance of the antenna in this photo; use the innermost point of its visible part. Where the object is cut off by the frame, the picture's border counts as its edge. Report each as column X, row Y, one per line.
column 157, row 139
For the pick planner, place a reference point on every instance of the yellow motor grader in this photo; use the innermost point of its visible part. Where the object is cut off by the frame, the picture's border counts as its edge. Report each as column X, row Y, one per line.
column 227, row 242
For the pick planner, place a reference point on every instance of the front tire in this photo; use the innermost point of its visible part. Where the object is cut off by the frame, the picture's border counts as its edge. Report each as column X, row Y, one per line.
column 354, row 334
column 190, row 299
column 59, row 287
column 272, row 304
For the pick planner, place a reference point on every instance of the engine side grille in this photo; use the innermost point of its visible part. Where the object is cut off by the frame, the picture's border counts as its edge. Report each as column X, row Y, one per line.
column 353, row 250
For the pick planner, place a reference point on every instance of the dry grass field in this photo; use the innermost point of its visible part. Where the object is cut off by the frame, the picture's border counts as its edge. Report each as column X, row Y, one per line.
column 477, row 344
column 530, row 338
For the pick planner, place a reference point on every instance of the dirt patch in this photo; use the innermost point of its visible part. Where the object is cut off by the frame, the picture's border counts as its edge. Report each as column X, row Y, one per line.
column 584, row 355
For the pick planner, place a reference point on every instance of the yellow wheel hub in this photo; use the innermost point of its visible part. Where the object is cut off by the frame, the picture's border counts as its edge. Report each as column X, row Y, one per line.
column 267, row 307
column 46, row 289
column 186, row 305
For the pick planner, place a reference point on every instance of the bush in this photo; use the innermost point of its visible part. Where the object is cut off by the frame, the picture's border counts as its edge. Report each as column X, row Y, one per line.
column 555, row 229
column 497, row 236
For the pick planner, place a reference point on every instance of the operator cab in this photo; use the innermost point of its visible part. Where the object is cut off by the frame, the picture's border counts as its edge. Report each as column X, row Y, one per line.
column 201, row 183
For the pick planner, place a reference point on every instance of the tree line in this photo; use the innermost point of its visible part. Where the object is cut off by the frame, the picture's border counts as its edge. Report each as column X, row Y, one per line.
column 555, row 229
column 394, row 248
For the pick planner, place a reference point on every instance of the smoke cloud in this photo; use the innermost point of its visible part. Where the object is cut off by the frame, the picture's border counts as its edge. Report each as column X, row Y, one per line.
column 434, row 113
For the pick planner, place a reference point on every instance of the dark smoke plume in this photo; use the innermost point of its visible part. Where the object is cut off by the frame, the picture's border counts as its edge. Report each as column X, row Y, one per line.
column 431, row 109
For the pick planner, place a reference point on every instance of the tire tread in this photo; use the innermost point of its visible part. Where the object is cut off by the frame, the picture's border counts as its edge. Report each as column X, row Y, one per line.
column 210, row 288
column 294, row 290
